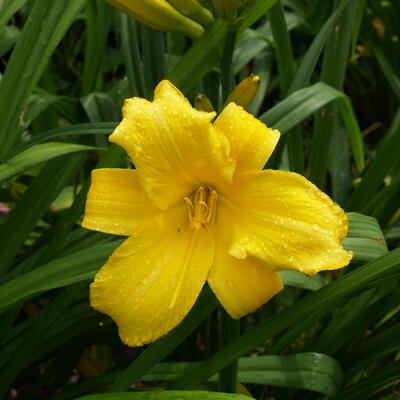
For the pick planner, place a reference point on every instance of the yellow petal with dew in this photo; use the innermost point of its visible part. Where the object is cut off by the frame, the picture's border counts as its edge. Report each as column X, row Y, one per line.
column 116, row 203
column 252, row 142
column 159, row 14
column 286, row 221
column 150, row 283
column 241, row 285
column 174, row 147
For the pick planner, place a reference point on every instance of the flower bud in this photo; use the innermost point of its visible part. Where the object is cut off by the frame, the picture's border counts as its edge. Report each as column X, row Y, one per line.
column 225, row 9
column 245, row 91
column 159, row 14
column 202, row 103
column 193, row 10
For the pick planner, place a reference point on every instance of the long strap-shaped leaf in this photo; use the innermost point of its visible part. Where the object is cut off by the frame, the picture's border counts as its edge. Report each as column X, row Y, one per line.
column 40, row 194
column 303, row 103
column 77, row 267
column 329, row 296
column 310, row 371
column 333, row 73
column 45, row 27
column 7, row 9
column 37, row 154
column 179, row 395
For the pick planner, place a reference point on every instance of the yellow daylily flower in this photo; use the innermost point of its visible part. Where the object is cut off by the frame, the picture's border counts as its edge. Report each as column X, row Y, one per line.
column 198, row 207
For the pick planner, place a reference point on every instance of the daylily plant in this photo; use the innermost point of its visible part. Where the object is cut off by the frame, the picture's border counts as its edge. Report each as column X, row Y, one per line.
column 199, row 208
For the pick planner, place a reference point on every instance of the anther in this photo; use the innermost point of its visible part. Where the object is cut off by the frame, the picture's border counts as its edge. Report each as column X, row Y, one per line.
column 201, row 210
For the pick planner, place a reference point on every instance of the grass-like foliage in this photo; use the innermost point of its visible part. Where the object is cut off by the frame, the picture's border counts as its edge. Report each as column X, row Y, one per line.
column 330, row 82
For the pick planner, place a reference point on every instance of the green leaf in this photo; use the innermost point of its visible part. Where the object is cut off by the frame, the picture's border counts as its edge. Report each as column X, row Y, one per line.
column 199, row 59
column 40, row 36
column 7, row 9
column 34, row 335
column 385, row 376
column 37, row 154
column 311, row 371
column 376, row 172
column 333, row 71
column 8, row 37
column 304, row 102
column 388, row 70
column 65, row 271
column 98, row 15
column 252, row 42
column 132, row 57
column 169, row 395
column 324, row 299
column 98, row 128
column 256, row 11
column 303, row 281
column 374, row 348
column 310, row 59
column 206, row 51
column 365, row 238
column 35, row 202
column 286, row 72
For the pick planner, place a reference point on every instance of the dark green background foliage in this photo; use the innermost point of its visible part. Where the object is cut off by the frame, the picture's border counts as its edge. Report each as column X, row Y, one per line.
column 330, row 83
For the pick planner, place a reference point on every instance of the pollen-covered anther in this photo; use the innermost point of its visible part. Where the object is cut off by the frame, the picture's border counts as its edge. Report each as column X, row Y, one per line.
column 202, row 208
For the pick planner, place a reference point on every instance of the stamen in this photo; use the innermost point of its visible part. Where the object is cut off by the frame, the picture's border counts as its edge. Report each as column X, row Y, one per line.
column 201, row 210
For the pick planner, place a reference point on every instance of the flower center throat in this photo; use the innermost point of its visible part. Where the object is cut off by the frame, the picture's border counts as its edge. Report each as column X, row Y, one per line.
column 202, row 208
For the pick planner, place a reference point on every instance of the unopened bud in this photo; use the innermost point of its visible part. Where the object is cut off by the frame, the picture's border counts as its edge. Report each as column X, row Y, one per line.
column 159, row 14
column 379, row 26
column 193, row 10
column 245, row 91
column 225, row 9
column 202, row 103
column 356, row 181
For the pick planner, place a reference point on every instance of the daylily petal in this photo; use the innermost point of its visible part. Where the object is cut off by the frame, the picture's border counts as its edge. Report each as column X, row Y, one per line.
column 173, row 146
column 117, row 204
column 252, row 142
column 151, row 282
column 285, row 220
column 242, row 286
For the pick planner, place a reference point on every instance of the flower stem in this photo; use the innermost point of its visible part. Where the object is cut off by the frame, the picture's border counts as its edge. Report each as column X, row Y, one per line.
column 227, row 81
column 230, row 330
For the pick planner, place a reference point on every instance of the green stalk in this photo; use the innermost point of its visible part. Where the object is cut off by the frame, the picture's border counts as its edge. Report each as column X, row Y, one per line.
column 230, row 330
column 286, row 70
column 227, row 78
